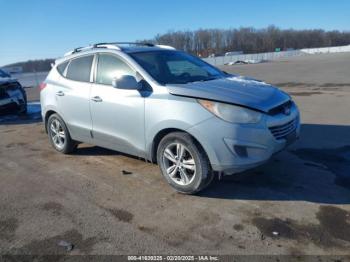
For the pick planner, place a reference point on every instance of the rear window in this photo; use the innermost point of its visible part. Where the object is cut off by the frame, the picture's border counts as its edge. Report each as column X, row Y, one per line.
column 62, row 67
column 79, row 69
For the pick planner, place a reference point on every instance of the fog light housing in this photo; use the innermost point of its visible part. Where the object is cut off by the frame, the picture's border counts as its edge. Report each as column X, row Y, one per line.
column 241, row 151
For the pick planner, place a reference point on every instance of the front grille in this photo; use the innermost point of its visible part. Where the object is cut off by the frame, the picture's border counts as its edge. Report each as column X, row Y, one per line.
column 3, row 93
column 8, row 86
column 281, row 131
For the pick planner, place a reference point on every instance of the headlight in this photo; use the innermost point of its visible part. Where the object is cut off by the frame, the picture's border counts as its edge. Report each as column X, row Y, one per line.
column 231, row 113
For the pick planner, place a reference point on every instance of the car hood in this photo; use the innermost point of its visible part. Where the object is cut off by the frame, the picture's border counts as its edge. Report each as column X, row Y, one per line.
column 236, row 90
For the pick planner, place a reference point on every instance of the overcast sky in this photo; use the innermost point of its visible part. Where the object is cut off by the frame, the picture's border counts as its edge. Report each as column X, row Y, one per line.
column 33, row 29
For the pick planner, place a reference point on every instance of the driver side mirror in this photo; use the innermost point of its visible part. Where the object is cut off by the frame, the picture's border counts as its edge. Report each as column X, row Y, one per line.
column 127, row 82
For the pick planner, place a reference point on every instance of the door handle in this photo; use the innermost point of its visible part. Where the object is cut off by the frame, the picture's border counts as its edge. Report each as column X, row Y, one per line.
column 60, row 93
column 96, row 99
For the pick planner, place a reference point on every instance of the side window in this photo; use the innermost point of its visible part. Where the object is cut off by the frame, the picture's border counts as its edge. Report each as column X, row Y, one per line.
column 79, row 69
column 110, row 67
column 62, row 67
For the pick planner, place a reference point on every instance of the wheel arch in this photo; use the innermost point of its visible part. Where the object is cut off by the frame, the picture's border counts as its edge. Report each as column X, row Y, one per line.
column 161, row 134
column 47, row 115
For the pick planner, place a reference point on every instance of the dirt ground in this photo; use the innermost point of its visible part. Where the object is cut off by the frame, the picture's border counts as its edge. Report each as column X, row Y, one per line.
column 298, row 203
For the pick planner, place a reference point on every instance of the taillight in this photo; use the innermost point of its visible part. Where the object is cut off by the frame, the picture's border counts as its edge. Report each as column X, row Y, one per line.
column 42, row 86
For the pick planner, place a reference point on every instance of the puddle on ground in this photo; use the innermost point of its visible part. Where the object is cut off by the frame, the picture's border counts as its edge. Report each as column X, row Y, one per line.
column 238, row 227
column 336, row 160
column 306, row 93
column 55, row 208
column 294, row 84
column 20, row 144
column 49, row 246
column 333, row 228
column 121, row 214
column 8, row 228
column 33, row 114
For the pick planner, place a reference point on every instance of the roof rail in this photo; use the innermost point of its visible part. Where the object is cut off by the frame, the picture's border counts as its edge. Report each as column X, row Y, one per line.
column 166, row 47
column 132, row 43
column 78, row 49
column 115, row 45
column 120, row 44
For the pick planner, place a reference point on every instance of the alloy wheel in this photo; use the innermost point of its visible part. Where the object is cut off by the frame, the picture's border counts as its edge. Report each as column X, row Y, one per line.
column 58, row 135
column 179, row 163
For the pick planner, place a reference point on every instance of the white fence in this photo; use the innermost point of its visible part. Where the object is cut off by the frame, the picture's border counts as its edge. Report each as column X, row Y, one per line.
column 222, row 60
column 326, row 50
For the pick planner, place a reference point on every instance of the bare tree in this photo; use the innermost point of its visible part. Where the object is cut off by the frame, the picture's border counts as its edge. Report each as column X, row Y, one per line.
column 204, row 42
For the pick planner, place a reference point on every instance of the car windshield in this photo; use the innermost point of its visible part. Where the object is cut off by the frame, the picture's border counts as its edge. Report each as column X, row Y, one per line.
column 175, row 67
column 3, row 74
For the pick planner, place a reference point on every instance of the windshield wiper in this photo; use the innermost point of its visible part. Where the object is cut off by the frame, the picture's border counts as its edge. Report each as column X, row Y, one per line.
column 204, row 80
column 209, row 79
column 194, row 81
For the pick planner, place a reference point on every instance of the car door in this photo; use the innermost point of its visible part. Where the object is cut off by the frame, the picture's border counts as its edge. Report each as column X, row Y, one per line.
column 117, row 114
column 73, row 97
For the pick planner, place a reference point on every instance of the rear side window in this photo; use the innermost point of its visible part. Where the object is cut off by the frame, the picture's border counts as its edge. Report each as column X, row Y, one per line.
column 62, row 67
column 79, row 69
column 110, row 67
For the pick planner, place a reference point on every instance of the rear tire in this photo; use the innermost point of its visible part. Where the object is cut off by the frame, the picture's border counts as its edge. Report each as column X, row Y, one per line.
column 59, row 135
column 183, row 163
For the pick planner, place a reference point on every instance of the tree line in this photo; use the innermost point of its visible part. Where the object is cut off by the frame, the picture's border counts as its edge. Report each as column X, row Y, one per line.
column 204, row 42
column 42, row 65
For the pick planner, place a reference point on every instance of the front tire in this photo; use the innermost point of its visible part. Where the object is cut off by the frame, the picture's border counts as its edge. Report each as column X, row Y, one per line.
column 59, row 135
column 183, row 163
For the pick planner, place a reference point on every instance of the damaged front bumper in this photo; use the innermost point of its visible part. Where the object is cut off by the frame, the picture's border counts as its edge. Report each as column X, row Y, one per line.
column 12, row 101
column 234, row 148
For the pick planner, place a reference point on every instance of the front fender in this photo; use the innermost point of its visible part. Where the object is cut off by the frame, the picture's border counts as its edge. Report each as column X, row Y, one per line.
column 160, row 127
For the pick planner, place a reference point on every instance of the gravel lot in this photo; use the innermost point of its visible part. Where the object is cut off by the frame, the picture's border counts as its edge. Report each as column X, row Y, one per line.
column 298, row 203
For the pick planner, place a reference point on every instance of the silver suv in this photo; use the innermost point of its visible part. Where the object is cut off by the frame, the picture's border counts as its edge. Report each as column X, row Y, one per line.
column 168, row 107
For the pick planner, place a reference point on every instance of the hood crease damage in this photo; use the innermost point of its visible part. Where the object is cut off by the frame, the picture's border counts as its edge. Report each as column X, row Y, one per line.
column 235, row 90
